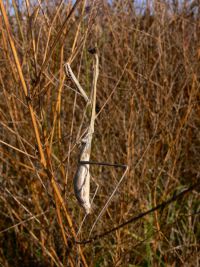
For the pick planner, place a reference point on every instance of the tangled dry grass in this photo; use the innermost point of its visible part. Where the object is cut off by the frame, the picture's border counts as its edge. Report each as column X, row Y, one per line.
column 148, row 118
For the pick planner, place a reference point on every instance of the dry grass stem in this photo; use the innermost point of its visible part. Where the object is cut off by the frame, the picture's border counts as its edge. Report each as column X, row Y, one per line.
column 57, row 125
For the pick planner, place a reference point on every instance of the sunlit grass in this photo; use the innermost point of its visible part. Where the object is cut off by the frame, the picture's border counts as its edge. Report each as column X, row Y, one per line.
column 148, row 99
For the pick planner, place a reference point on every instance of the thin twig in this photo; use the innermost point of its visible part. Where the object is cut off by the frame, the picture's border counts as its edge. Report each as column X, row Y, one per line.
column 174, row 198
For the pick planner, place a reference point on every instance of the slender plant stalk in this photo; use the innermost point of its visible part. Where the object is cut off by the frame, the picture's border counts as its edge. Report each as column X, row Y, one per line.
column 57, row 37
column 32, row 114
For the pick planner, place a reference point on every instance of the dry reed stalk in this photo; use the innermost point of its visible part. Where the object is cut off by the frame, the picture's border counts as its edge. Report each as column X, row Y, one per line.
column 57, row 37
column 60, row 200
column 77, row 33
column 32, row 18
column 162, row 51
column 35, row 238
column 46, row 164
column 32, row 114
column 50, row 30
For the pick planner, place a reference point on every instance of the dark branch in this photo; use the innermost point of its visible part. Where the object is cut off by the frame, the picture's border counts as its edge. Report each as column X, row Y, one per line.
column 103, row 164
column 175, row 197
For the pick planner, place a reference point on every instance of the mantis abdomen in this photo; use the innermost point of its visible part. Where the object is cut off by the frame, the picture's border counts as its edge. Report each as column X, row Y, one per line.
column 82, row 187
column 82, row 176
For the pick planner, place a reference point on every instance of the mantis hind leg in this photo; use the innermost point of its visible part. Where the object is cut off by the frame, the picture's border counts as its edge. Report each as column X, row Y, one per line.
column 109, row 199
column 112, row 194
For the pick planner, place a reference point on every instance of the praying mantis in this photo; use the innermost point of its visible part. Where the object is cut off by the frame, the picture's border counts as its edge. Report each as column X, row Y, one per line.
column 82, row 177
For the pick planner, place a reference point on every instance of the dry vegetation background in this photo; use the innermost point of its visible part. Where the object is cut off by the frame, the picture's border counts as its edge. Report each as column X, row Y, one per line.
column 148, row 98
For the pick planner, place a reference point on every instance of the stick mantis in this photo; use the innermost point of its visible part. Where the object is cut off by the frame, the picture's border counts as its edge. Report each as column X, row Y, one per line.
column 82, row 177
